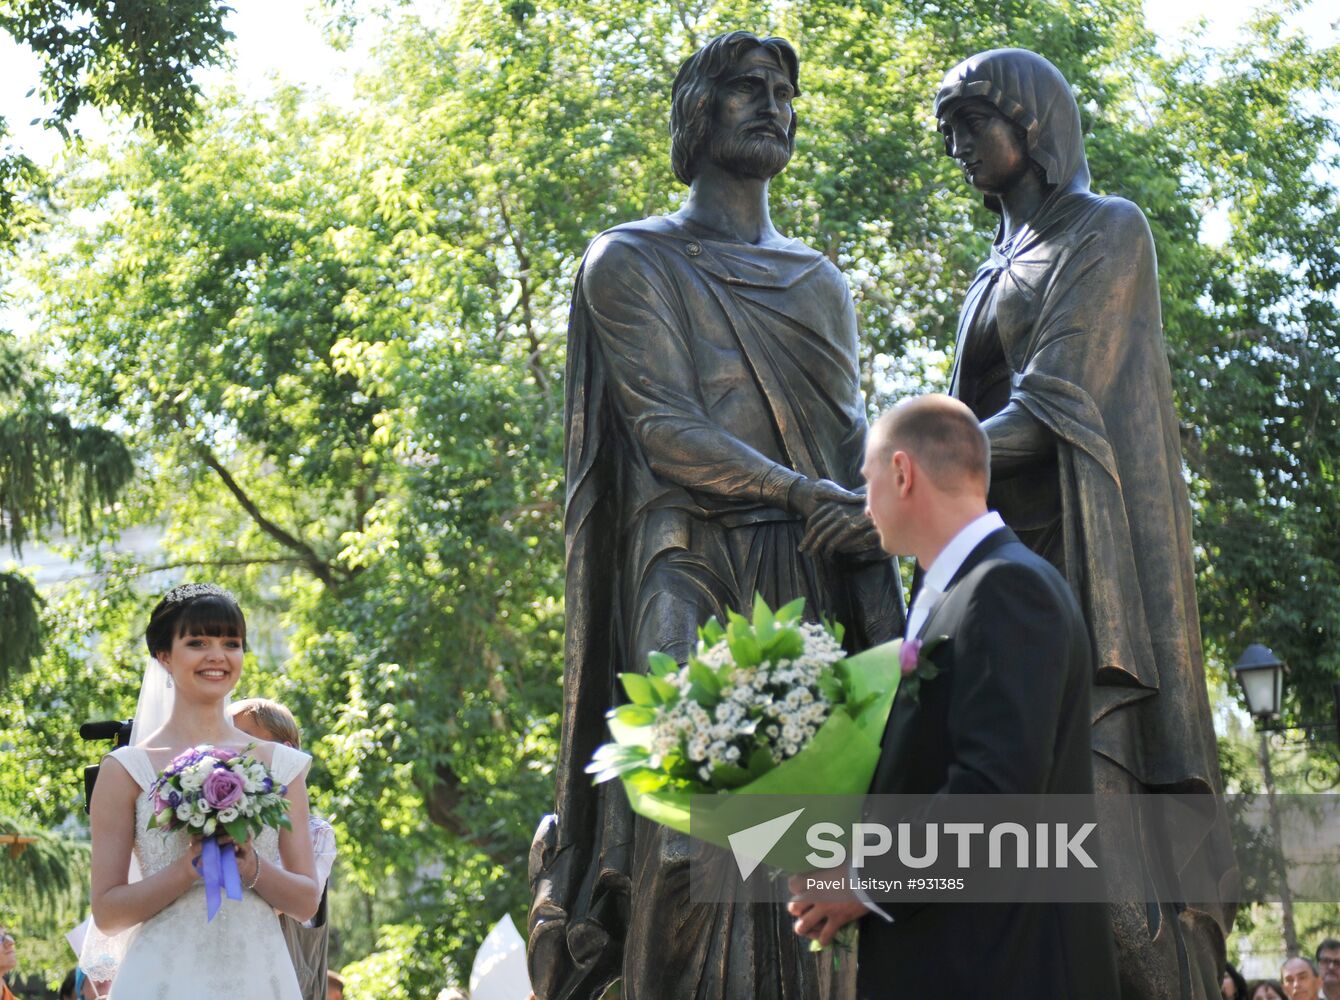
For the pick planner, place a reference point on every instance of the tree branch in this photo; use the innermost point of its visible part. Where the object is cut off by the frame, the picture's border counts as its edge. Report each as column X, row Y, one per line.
column 307, row 555
column 145, row 570
column 523, row 279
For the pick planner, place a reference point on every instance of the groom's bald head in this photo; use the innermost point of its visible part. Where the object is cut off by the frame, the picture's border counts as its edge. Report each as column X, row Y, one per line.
column 942, row 436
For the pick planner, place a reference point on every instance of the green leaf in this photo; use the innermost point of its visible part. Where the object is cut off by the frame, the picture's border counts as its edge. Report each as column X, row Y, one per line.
column 832, row 688
column 912, row 685
column 760, row 763
column 661, row 664
column 640, row 690
column 703, row 675
column 763, row 621
column 730, row 776
column 704, row 685
column 835, row 627
column 787, row 644
column 634, row 715
column 647, row 780
column 666, row 691
column 744, row 645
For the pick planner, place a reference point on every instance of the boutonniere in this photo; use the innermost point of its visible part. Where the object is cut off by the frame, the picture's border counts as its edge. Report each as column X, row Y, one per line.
column 914, row 657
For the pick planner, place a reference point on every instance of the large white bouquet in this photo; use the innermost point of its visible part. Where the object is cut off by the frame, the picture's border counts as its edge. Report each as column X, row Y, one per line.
column 768, row 705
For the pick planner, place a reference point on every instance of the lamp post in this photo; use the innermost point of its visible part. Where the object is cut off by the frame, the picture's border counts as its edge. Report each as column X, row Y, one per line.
column 1261, row 675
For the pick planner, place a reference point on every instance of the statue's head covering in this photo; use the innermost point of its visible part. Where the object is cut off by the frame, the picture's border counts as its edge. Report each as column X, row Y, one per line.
column 1032, row 93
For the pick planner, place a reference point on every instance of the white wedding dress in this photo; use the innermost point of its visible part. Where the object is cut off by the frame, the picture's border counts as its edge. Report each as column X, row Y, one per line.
column 178, row 954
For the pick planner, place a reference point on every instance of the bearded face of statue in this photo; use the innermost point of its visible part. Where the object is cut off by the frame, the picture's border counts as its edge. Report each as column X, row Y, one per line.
column 751, row 128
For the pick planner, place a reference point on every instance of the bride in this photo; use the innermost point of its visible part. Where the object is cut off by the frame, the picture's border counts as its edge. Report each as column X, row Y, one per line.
column 147, row 889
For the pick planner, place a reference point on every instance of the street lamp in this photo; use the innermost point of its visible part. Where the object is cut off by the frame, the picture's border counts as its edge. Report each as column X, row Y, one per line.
column 1261, row 675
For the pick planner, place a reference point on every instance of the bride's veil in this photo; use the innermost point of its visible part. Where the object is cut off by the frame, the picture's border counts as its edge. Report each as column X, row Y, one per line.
column 154, row 706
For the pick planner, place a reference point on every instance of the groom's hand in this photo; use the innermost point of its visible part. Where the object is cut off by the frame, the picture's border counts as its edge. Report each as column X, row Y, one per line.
column 820, row 914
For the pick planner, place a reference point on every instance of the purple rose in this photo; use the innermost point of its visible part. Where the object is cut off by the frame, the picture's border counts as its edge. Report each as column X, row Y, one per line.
column 223, row 789
column 909, row 655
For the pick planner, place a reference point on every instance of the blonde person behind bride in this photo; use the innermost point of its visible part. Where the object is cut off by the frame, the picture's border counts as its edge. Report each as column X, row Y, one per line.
column 308, row 940
column 148, row 882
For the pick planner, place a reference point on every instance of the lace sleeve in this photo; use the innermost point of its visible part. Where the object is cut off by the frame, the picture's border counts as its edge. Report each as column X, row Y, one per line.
column 102, row 954
column 288, row 764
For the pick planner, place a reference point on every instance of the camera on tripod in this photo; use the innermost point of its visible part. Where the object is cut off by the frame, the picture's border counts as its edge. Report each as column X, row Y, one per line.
column 116, row 730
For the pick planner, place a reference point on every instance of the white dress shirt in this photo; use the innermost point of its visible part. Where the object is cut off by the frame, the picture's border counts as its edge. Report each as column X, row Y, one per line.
column 933, row 587
column 946, row 564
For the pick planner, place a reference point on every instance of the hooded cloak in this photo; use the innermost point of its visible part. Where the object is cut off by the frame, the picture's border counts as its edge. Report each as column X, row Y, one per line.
column 1062, row 326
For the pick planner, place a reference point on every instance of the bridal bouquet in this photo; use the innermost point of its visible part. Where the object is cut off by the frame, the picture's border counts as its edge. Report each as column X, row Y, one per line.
column 207, row 791
column 765, row 706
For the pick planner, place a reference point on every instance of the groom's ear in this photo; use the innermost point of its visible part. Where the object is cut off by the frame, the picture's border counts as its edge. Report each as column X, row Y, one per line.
column 903, row 472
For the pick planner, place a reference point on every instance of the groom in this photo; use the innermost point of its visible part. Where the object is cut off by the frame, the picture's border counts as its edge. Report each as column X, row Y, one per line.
column 1008, row 713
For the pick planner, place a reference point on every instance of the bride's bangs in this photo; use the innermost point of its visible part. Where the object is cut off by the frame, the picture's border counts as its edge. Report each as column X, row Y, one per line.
column 213, row 616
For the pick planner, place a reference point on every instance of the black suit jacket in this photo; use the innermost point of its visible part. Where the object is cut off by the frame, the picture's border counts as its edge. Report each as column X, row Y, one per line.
column 1008, row 713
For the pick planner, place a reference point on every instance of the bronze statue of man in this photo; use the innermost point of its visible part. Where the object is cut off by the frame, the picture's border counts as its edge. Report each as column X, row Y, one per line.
column 715, row 428
column 1061, row 355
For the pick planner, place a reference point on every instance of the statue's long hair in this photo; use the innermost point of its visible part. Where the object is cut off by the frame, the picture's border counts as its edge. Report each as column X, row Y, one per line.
column 695, row 84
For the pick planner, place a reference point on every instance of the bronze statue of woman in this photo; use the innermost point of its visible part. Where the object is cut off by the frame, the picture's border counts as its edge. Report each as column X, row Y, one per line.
column 1060, row 353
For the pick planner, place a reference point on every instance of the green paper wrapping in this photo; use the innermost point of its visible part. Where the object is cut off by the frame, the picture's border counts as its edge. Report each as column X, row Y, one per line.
column 840, row 760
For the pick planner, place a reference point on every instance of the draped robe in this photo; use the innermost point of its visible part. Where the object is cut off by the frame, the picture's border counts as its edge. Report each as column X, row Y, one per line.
column 1062, row 326
column 704, row 379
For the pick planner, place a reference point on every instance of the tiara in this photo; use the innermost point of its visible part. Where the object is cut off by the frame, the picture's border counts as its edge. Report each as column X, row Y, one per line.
column 190, row 591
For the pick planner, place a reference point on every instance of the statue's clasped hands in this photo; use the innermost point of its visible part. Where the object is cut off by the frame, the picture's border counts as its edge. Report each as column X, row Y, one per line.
column 835, row 519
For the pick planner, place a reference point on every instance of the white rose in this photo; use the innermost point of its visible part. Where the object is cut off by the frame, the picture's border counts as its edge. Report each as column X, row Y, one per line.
column 184, row 812
column 228, row 815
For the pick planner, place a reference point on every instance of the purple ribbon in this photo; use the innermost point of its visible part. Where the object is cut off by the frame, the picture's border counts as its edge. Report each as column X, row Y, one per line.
column 219, row 868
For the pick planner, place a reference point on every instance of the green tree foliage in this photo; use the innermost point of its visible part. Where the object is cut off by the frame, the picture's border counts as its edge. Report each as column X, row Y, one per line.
column 137, row 57
column 42, row 893
column 44, row 876
column 334, row 340
column 1259, row 360
column 52, row 471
